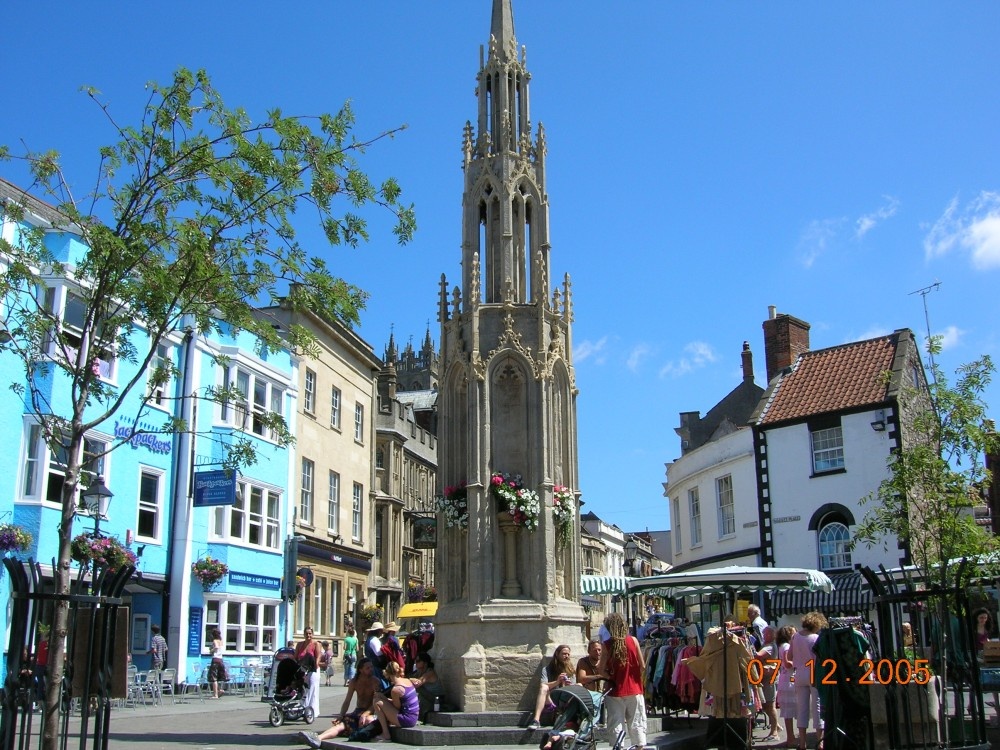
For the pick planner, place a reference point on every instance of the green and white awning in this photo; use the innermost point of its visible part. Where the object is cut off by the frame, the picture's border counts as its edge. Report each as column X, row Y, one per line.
column 732, row 578
column 596, row 585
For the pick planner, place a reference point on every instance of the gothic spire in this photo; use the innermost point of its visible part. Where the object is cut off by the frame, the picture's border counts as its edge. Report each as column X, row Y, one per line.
column 502, row 26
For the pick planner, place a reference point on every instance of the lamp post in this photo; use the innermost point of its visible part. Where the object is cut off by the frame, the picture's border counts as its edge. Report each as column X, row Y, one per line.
column 631, row 553
column 95, row 500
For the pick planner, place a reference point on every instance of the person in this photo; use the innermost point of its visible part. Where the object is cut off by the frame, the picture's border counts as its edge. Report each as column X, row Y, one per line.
column 362, row 687
column 159, row 648
column 768, row 655
column 308, row 654
column 558, row 672
column 391, row 650
column 806, row 677
column 217, row 668
column 41, row 664
column 984, row 629
column 785, row 692
column 426, row 681
column 586, row 669
column 622, row 663
column 373, row 650
column 757, row 624
column 401, row 707
column 350, row 655
column 325, row 662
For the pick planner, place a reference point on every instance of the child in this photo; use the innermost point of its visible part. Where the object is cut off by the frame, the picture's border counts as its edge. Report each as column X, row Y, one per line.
column 325, row 663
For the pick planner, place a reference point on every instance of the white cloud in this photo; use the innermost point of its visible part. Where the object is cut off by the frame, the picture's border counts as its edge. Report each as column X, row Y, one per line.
column 696, row 355
column 874, row 332
column 950, row 337
column 639, row 352
column 974, row 227
column 584, row 350
column 816, row 239
column 867, row 222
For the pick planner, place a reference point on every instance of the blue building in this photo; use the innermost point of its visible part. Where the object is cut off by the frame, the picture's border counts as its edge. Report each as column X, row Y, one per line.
column 167, row 507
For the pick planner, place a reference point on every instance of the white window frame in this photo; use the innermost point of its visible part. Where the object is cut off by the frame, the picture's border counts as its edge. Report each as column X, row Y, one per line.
column 260, row 396
column 231, row 616
column 307, row 492
column 834, row 540
column 309, row 393
column 335, row 617
column 357, row 511
column 694, row 509
column 827, row 449
column 727, row 505
column 40, row 463
column 155, row 508
column 63, row 296
column 359, row 422
column 333, row 503
column 265, row 523
column 161, row 396
column 335, row 400
column 675, row 522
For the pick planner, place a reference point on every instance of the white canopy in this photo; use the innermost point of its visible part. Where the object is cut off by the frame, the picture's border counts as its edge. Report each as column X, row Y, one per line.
column 591, row 585
column 732, row 578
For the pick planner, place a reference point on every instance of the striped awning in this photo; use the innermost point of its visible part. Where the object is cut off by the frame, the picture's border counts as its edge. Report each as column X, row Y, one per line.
column 603, row 585
column 850, row 596
column 732, row 578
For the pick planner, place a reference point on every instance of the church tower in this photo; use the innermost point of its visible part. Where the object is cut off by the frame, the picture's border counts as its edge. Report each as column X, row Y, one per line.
column 508, row 584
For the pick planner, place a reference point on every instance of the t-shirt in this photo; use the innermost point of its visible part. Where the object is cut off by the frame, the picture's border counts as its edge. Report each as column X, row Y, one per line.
column 350, row 646
column 159, row 649
column 627, row 677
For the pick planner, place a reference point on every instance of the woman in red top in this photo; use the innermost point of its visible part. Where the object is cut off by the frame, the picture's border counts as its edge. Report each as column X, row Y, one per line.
column 623, row 664
column 308, row 653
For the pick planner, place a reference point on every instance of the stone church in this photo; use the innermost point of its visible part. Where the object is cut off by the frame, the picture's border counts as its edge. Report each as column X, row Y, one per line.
column 508, row 582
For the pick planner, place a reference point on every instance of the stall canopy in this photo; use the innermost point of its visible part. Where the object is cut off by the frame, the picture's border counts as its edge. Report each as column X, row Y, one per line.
column 732, row 578
column 596, row 585
column 417, row 609
column 851, row 596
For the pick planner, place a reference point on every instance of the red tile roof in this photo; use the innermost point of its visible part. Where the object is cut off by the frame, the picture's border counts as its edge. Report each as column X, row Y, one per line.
column 830, row 380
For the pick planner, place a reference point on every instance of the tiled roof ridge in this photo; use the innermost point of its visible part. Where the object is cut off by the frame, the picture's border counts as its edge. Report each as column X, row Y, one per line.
column 846, row 344
column 10, row 191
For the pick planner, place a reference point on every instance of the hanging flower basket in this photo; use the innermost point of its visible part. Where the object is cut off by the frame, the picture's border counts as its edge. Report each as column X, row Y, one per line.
column 521, row 503
column 370, row 613
column 454, row 504
column 563, row 511
column 105, row 551
column 13, row 538
column 209, row 571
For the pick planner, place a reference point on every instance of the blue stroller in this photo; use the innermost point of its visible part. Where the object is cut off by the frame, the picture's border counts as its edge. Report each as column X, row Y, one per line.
column 577, row 710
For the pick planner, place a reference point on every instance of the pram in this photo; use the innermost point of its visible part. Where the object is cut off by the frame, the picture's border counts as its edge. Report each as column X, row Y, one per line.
column 577, row 710
column 285, row 690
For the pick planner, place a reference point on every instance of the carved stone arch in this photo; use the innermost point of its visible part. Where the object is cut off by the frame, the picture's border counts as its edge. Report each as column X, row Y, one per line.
column 561, row 427
column 510, row 385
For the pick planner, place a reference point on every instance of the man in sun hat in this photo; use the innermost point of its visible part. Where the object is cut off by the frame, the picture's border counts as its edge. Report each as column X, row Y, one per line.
column 391, row 650
column 373, row 650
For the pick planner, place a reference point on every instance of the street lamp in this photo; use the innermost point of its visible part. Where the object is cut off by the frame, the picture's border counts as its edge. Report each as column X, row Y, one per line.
column 95, row 500
column 631, row 561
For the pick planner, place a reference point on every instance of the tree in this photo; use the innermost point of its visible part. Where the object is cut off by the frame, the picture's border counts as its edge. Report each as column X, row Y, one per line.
column 189, row 225
column 938, row 475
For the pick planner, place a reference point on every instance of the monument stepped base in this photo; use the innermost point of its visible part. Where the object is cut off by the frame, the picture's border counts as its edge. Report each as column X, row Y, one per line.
column 495, row 728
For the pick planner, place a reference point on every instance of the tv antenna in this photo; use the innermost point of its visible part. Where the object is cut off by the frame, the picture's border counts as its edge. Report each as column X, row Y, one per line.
column 927, row 319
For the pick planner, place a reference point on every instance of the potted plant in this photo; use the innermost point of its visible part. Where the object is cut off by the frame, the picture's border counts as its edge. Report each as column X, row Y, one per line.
column 209, row 571
column 454, row 504
column 105, row 551
column 13, row 538
column 521, row 503
column 563, row 511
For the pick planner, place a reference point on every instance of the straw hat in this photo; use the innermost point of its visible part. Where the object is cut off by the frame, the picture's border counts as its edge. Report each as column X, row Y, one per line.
column 392, row 627
column 376, row 626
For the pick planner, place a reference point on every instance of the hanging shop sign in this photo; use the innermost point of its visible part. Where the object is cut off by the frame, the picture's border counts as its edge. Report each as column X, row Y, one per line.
column 215, row 488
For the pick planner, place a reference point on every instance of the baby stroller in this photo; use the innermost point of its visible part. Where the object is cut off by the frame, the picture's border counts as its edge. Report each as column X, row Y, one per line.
column 577, row 710
column 285, row 690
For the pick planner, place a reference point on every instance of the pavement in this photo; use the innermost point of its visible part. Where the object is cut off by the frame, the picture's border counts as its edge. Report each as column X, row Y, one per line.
column 235, row 721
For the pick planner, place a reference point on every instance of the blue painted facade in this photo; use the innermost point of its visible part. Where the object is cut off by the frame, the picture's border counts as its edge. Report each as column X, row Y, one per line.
column 150, row 476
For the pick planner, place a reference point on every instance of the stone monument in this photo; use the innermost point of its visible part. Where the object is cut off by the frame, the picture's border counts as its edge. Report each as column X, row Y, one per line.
column 508, row 575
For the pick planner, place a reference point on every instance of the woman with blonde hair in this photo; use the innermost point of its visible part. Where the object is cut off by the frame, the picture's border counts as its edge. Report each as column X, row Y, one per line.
column 807, row 676
column 622, row 663
column 401, row 707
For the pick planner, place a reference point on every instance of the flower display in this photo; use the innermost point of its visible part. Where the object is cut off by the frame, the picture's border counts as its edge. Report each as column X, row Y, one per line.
column 209, row 571
column 454, row 504
column 105, row 551
column 371, row 613
column 13, row 538
column 563, row 511
column 522, row 503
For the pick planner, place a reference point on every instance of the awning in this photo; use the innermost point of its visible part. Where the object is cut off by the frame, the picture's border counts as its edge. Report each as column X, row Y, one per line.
column 603, row 585
column 417, row 609
column 732, row 578
column 851, row 596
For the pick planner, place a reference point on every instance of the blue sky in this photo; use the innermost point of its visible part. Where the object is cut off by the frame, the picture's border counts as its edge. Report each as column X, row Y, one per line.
column 706, row 160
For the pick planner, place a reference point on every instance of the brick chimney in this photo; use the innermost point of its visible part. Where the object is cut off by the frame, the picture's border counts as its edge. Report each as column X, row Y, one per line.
column 747, row 362
column 785, row 338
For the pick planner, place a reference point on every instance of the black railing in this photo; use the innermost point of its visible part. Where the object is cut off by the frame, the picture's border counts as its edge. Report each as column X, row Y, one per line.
column 95, row 665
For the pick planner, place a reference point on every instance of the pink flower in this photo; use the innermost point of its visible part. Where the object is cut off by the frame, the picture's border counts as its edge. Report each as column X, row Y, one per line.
column 497, row 479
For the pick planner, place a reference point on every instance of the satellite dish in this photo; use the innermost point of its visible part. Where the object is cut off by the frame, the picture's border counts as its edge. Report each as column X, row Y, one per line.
column 306, row 574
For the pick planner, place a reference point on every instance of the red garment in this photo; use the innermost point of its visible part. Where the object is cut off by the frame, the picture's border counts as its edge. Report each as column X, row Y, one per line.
column 627, row 677
column 42, row 653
